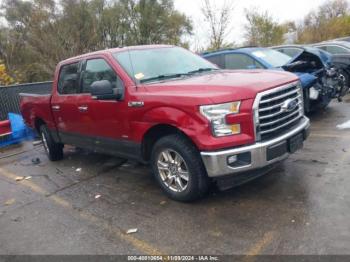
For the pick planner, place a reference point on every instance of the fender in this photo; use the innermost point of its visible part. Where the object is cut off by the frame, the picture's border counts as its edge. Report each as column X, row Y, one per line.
column 193, row 125
column 307, row 80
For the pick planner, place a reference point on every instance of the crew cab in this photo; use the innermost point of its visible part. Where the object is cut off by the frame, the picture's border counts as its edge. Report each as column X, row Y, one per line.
column 167, row 107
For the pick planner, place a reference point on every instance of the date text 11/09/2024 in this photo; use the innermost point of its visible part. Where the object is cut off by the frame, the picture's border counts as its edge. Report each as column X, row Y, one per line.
column 173, row 258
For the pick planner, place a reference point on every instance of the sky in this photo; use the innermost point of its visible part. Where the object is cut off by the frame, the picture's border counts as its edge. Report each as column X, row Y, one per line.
column 281, row 10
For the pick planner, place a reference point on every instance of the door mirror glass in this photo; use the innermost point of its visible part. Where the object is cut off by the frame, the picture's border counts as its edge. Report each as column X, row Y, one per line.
column 103, row 90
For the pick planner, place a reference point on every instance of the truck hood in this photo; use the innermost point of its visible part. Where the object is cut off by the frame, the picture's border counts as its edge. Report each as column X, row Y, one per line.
column 222, row 86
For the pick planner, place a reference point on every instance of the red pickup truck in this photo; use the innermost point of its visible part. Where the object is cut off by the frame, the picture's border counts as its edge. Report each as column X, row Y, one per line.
column 163, row 105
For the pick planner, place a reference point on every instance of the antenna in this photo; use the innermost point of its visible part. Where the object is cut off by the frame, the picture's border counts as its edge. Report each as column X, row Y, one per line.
column 132, row 68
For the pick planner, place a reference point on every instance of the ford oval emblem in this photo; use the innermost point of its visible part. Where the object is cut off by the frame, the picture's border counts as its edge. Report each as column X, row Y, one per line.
column 289, row 105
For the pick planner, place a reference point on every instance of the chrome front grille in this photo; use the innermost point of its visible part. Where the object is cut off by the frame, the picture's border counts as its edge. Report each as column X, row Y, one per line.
column 278, row 110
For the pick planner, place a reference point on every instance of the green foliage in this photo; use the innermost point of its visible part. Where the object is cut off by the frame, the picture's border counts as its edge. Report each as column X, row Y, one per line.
column 40, row 33
column 5, row 78
column 262, row 30
column 329, row 21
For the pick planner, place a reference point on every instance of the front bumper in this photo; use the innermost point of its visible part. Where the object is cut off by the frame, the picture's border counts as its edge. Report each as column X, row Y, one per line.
column 256, row 155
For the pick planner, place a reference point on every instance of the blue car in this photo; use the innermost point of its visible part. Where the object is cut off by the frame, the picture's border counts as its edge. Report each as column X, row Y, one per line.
column 329, row 53
column 321, row 83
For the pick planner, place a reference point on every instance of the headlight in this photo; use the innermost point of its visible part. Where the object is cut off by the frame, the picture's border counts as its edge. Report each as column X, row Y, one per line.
column 216, row 114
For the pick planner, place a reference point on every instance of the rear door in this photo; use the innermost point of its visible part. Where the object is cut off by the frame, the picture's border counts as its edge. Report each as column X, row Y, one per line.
column 64, row 102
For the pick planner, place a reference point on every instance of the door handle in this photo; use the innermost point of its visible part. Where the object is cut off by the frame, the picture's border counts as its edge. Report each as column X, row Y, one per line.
column 83, row 108
column 56, row 108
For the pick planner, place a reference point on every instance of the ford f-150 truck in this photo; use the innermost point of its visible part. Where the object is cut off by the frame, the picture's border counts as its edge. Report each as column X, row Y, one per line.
column 165, row 106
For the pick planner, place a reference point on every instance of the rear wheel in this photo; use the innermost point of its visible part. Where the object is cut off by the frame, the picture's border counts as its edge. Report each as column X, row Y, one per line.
column 178, row 168
column 53, row 150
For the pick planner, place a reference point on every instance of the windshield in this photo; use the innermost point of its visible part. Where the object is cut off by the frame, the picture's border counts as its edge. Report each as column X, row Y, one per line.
column 272, row 57
column 161, row 63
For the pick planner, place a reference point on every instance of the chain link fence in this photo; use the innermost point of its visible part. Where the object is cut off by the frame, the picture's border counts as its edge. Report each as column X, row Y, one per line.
column 9, row 96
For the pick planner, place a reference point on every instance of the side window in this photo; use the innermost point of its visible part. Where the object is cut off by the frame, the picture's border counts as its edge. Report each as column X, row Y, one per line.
column 322, row 47
column 336, row 49
column 217, row 60
column 68, row 81
column 292, row 52
column 281, row 50
column 96, row 70
column 240, row 61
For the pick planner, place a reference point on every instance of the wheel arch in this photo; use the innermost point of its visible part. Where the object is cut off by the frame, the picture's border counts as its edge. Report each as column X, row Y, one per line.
column 155, row 133
column 38, row 122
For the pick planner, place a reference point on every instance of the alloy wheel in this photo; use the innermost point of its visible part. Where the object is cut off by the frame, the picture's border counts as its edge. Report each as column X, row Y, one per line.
column 173, row 170
column 43, row 138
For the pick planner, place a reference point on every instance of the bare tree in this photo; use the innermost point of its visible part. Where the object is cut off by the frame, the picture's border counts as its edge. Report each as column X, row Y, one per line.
column 333, row 9
column 219, row 19
column 329, row 21
column 262, row 30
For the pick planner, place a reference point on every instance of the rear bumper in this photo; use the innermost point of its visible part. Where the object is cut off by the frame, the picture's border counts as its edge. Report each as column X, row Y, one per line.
column 253, row 157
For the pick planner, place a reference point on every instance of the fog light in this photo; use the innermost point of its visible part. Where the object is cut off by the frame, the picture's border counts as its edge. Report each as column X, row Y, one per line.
column 313, row 93
column 239, row 160
column 231, row 159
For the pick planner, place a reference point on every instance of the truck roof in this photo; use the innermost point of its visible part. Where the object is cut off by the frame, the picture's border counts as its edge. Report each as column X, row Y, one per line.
column 114, row 50
column 229, row 50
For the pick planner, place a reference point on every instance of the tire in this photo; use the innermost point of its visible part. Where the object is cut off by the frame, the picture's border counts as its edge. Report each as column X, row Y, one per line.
column 306, row 101
column 175, row 159
column 53, row 150
column 347, row 82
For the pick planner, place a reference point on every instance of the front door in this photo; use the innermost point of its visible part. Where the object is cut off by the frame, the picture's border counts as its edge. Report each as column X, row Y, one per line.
column 108, row 126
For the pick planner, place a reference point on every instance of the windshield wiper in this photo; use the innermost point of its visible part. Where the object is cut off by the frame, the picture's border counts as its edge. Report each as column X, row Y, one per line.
column 200, row 70
column 162, row 77
column 169, row 76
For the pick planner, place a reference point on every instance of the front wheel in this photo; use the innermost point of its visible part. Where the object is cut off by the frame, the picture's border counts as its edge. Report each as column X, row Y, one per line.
column 178, row 168
column 53, row 150
column 346, row 79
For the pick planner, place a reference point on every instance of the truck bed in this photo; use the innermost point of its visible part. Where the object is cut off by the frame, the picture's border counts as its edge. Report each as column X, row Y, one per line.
column 10, row 99
column 35, row 107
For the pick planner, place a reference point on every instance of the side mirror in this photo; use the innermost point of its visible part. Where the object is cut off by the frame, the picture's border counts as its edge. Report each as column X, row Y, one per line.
column 103, row 90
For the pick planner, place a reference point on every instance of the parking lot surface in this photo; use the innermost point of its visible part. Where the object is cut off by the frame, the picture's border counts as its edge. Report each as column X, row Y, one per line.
column 86, row 203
